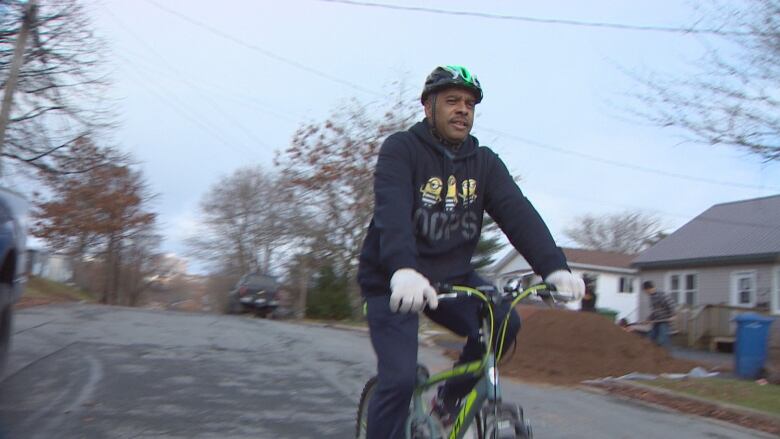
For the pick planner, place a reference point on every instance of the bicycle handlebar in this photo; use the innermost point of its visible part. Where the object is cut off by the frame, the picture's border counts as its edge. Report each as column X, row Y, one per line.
column 492, row 296
column 544, row 291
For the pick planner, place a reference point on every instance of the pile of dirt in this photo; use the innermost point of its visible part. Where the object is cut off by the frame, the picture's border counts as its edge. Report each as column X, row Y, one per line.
column 566, row 347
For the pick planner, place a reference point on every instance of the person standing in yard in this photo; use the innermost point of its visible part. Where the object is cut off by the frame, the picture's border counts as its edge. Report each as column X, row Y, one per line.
column 432, row 185
column 661, row 313
column 588, row 302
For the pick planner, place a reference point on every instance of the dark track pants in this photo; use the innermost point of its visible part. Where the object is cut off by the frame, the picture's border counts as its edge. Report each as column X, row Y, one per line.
column 394, row 337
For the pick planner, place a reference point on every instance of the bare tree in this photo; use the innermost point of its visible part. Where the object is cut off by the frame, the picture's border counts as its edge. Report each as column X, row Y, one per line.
column 141, row 262
column 626, row 232
column 244, row 218
column 730, row 98
column 330, row 166
column 60, row 98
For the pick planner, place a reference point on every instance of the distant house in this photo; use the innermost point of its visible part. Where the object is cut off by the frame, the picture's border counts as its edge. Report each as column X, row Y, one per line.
column 617, row 285
column 50, row 266
column 728, row 255
column 167, row 268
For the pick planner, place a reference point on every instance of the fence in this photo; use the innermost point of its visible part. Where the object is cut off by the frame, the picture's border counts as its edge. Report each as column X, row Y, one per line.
column 709, row 324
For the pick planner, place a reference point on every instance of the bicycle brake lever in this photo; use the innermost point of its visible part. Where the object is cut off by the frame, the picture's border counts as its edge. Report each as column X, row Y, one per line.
column 548, row 299
column 442, row 288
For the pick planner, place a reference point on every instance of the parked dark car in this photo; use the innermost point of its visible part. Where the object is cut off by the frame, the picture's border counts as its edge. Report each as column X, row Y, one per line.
column 13, row 234
column 254, row 292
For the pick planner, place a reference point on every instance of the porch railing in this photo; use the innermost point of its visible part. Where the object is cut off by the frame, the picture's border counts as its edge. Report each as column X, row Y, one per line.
column 705, row 323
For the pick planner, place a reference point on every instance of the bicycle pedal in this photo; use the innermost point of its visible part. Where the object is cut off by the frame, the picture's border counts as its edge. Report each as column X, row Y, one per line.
column 441, row 413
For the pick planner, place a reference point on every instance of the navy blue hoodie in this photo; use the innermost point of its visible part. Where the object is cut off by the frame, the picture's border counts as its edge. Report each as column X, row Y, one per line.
column 429, row 202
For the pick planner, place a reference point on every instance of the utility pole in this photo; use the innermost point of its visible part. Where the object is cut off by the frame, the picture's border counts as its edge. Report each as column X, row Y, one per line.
column 28, row 20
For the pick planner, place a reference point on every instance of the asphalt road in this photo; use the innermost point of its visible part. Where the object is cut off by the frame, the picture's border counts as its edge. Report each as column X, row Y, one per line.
column 86, row 371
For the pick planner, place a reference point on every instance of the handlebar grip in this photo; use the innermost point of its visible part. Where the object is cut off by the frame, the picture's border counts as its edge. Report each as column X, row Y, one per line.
column 563, row 296
column 558, row 296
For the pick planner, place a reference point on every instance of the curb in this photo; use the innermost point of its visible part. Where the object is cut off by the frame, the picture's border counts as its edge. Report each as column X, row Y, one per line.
column 745, row 411
column 746, row 418
column 656, row 406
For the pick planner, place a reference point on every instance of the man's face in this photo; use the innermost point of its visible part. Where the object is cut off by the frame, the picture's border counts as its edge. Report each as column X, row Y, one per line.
column 454, row 113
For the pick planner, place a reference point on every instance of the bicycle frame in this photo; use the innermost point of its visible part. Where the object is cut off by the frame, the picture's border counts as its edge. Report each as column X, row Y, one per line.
column 488, row 387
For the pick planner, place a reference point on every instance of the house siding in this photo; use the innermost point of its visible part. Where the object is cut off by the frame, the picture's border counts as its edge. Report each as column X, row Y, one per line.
column 608, row 295
column 776, row 293
column 517, row 264
column 607, row 285
column 714, row 283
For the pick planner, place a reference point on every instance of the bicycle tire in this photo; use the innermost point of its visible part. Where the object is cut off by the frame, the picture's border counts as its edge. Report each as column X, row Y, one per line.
column 478, row 427
column 362, row 413
column 365, row 397
column 510, row 423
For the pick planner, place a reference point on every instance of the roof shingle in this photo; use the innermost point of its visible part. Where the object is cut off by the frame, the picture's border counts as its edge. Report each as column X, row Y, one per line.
column 737, row 229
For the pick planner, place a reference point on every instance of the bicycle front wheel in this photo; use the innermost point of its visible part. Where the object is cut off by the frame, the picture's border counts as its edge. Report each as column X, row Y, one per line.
column 477, row 428
column 362, row 413
column 504, row 421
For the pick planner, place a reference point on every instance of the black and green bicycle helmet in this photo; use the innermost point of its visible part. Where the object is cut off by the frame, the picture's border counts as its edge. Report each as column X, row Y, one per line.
column 451, row 76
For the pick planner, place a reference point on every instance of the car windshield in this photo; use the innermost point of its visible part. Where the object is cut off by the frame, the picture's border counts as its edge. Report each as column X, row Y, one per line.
column 259, row 281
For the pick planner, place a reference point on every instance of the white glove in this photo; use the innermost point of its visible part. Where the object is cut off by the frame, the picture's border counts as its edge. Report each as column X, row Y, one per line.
column 566, row 282
column 410, row 291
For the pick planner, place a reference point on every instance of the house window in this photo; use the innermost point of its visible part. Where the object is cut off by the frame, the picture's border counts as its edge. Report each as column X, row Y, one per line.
column 683, row 288
column 626, row 284
column 690, row 289
column 744, row 288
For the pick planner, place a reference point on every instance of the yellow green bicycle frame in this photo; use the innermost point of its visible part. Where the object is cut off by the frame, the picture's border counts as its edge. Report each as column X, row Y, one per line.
column 487, row 388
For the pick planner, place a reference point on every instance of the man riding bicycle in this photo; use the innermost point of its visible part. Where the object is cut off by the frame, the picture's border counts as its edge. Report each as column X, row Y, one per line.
column 432, row 185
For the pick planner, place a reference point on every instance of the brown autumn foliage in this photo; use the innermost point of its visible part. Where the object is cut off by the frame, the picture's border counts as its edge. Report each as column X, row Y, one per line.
column 329, row 165
column 101, row 217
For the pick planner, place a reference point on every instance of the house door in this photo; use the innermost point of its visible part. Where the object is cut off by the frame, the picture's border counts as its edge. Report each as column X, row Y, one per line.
column 743, row 288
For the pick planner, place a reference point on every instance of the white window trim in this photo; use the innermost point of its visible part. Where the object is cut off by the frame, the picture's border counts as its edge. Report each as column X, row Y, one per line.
column 733, row 299
column 682, row 290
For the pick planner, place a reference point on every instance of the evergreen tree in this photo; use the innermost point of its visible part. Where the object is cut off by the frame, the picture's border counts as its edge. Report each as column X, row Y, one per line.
column 329, row 299
column 489, row 244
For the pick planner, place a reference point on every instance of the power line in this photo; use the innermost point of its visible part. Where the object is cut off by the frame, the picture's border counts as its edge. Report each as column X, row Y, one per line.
column 501, row 133
column 625, row 165
column 178, row 75
column 555, row 21
column 259, row 49
column 179, row 108
column 563, row 194
column 182, row 78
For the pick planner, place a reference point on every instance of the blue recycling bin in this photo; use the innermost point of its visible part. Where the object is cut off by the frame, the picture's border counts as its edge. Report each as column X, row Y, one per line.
column 751, row 344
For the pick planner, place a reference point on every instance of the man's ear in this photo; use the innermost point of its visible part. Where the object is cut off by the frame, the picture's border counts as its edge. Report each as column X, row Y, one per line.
column 428, row 106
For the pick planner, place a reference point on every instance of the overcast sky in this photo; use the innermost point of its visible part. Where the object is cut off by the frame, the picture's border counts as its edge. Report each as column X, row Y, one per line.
column 207, row 87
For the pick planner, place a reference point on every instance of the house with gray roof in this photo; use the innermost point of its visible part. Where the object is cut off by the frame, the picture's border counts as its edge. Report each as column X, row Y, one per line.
column 728, row 255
